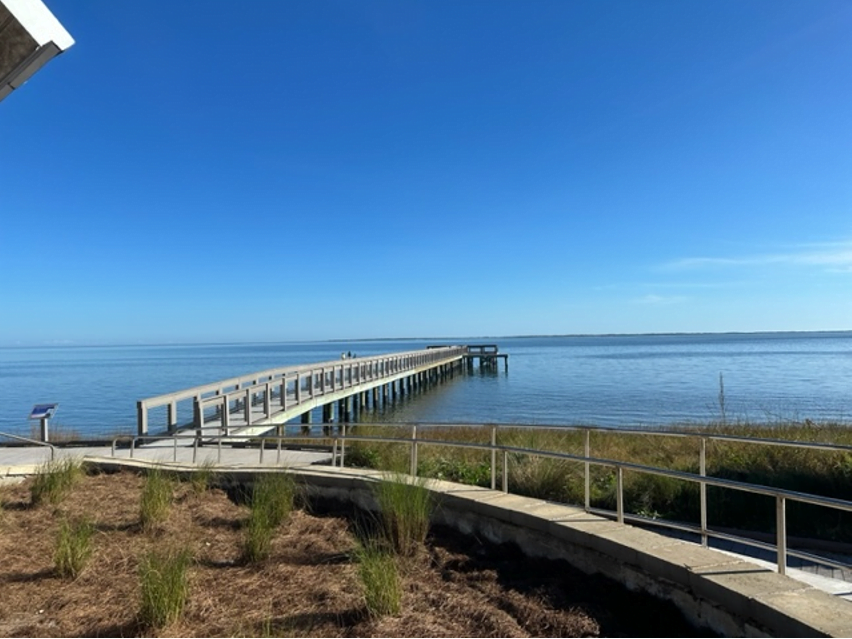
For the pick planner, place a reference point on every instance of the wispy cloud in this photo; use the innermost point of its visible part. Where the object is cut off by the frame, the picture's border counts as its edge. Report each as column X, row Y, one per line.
column 660, row 300
column 834, row 257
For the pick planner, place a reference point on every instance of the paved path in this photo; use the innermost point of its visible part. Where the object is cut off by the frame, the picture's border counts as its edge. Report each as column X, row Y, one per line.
column 25, row 460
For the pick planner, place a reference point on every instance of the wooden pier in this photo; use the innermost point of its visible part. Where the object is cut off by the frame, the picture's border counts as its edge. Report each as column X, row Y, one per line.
column 255, row 404
column 487, row 355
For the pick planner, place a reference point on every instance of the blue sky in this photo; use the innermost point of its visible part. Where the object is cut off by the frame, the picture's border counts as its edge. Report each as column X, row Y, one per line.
column 211, row 171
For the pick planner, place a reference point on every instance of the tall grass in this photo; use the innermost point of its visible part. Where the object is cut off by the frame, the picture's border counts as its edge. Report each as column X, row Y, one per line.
column 156, row 501
column 272, row 500
column 73, row 547
column 546, row 478
column 379, row 575
column 823, row 473
column 406, row 504
column 386, row 456
column 201, row 477
column 164, row 586
column 54, row 480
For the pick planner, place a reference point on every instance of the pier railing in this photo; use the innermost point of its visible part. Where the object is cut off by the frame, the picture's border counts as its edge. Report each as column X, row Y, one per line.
column 278, row 389
column 501, row 457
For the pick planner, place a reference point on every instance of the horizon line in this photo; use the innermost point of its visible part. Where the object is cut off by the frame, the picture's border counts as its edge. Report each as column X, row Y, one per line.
column 72, row 344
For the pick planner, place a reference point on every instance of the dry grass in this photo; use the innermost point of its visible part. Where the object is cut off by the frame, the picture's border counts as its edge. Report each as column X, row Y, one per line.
column 823, row 473
column 308, row 586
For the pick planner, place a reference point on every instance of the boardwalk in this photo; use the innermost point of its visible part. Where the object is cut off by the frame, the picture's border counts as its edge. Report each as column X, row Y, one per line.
column 255, row 404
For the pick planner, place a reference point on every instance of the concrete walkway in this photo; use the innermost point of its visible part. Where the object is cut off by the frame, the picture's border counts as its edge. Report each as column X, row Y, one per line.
column 25, row 460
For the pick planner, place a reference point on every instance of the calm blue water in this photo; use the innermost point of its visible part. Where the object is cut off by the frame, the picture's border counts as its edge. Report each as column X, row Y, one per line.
column 603, row 380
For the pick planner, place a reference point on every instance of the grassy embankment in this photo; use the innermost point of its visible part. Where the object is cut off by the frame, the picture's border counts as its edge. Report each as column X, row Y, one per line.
column 825, row 473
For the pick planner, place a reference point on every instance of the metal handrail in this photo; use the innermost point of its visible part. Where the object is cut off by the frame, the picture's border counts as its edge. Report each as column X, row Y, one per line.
column 658, row 432
column 780, row 495
column 32, row 441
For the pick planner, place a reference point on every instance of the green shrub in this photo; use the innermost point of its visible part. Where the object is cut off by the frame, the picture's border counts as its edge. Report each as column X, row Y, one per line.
column 271, row 503
column 362, row 455
column 73, row 547
column 392, row 457
column 272, row 497
column 379, row 575
column 164, row 586
column 202, row 477
column 546, row 478
column 463, row 471
column 406, row 505
column 257, row 541
column 157, row 496
column 54, row 480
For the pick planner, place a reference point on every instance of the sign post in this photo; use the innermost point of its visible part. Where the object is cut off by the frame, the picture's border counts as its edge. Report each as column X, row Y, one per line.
column 43, row 413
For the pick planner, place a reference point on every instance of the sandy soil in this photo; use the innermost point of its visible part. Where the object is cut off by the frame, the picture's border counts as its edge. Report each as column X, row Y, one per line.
column 308, row 587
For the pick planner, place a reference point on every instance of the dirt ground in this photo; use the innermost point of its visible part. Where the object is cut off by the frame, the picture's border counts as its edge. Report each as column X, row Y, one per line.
column 309, row 586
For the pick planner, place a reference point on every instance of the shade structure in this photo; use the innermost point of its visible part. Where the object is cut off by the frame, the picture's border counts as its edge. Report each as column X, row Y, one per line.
column 30, row 36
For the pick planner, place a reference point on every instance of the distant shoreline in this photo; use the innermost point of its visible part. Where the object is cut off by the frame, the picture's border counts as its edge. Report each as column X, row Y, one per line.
column 449, row 340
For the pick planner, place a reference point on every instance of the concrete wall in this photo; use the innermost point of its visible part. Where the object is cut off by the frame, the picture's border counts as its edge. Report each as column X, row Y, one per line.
column 732, row 597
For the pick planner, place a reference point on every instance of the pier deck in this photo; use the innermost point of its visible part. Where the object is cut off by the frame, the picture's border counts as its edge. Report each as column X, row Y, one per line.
column 255, row 404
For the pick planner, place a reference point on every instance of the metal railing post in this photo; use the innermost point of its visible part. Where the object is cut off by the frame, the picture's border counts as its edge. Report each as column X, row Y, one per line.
column 262, row 446
column 195, row 450
column 619, row 496
column 278, row 455
column 226, row 416
column 413, row 469
column 343, row 446
column 132, row 447
column 493, row 458
column 219, row 453
column 174, row 449
column 505, row 471
column 334, row 453
column 781, row 526
column 587, row 448
column 703, row 489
